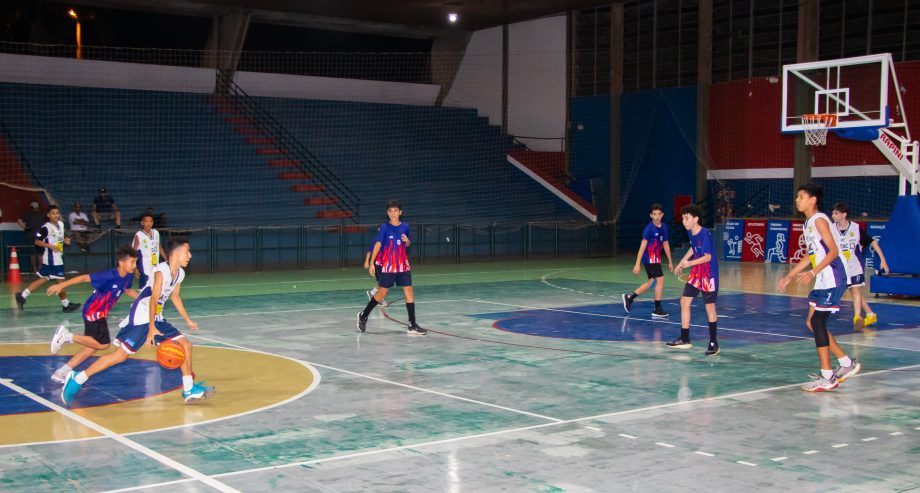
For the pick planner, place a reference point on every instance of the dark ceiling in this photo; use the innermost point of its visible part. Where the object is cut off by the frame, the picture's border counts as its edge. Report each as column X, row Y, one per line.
column 411, row 18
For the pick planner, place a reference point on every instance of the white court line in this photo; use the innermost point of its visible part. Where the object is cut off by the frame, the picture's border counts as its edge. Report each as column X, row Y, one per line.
column 895, row 433
column 851, row 343
column 364, row 278
column 747, row 463
column 390, row 382
column 166, row 461
column 869, row 439
column 809, row 452
column 662, row 444
column 840, row 445
column 779, row 459
column 505, row 432
column 300, row 310
column 707, row 454
column 624, row 435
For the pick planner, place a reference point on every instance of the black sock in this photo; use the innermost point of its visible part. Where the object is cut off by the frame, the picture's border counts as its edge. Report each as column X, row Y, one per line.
column 633, row 296
column 658, row 304
column 685, row 334
column 369, row 308
column 712, row 331
column 410, row 307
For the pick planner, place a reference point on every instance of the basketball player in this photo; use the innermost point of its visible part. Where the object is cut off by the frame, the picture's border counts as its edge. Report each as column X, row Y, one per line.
column 147, row 244
column 829, row 275
column 703, row 279
column 108, row 286
column 390, row 253
column 655, row 238
column 852, row 243
column 145, row 325
column 50, row 238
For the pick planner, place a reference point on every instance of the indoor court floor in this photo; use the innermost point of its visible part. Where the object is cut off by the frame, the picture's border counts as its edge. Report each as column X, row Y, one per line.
column 532, row 378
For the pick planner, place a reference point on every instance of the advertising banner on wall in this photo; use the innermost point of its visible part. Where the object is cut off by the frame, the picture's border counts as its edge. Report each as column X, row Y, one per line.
column 876, row 231
column 797, row 248
column 755, row 234
column 777, row 243
column 732, row 234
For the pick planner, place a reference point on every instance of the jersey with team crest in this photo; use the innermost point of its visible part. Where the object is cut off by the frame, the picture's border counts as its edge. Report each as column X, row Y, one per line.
column 52, row 234
column 705, row 276
column 834, row 275
column 148, row 246
column 140, row 309
column 655, row 236
column 851, row 249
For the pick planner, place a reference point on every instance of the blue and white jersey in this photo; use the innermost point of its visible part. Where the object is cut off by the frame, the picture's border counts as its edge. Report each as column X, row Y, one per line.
column 851, row 249
column 834, row 275
column 148, row 248
column 140, row 309
column 52, row 234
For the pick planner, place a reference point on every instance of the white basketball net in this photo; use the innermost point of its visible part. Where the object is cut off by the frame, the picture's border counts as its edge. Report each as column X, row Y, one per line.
column 815, row 127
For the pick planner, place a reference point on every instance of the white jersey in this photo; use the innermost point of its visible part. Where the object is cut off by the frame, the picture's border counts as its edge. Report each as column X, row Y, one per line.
column 149, row 249
column 834, row 275
column 140, row 309
column 851, row 249
column 53, row 234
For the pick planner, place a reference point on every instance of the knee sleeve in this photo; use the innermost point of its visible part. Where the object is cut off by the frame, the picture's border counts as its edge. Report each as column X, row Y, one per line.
column 819, row 326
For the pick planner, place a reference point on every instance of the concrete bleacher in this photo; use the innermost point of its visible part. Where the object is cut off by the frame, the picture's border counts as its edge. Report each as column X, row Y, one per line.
column 174, row 152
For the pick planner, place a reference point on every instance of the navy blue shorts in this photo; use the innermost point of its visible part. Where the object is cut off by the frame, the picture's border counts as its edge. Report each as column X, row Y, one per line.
column 857, row 281
column 389, row 279
column 131, row 338
column 826, row 300
column 51, row 272
column 691, row 291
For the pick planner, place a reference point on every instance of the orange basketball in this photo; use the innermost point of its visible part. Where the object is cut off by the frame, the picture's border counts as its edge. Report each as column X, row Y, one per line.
column 170, row 354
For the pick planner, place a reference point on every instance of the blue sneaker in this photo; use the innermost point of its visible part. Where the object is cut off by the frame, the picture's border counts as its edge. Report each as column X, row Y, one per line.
column 198, row 393
column 71, row 387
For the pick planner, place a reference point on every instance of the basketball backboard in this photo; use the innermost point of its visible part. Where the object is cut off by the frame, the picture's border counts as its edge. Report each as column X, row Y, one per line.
column 861, row 92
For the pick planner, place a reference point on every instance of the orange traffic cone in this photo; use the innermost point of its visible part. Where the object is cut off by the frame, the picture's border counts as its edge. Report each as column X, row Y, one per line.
column 13, row 276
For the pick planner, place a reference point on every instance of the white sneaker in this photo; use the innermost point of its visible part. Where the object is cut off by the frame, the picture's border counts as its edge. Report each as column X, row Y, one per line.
column 61, row 335
column 60, row 376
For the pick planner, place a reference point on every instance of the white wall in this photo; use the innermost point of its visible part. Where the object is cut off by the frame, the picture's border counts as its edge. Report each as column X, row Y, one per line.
column 536, row 79
column 305, row 87
column 478, row 83
column 113, row 75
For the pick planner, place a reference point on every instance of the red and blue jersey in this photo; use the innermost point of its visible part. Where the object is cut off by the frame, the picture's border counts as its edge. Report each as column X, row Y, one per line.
column 655, row 236
column 109, row 286
column 705, row 276
column 392, row 256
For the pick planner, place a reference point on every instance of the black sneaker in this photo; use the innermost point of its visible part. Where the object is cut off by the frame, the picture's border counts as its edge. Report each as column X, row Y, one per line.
column 680, row 344
column 627, row 302
column 659, row 313
column 20, row 301
column 713, row 349
column 415, row 330
column 71, row 307
column 362, row 322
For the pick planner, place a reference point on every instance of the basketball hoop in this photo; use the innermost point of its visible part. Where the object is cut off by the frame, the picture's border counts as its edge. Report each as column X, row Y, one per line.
column 815, row 127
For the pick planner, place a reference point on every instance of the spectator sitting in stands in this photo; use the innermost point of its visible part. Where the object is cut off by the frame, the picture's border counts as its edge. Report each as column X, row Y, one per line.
column 158, row 219
column 78, row 225
column 30, row 223
column 105, row 209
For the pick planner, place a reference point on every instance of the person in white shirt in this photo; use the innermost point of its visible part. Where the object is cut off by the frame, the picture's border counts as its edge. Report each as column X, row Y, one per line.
column 79, row 221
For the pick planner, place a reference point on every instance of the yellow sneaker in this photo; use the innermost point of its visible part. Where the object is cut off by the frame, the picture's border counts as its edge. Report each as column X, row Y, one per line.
column 858, row 323
column 871, row 318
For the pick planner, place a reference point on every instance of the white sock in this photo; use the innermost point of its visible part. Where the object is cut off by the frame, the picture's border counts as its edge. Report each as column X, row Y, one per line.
column 374, row 291
column 64, row 369
column 187, row 382
column 26, row 293
column 81, row 377
column 65, row 302
column 68, row 336
column 827, row 374
column 845, row 361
